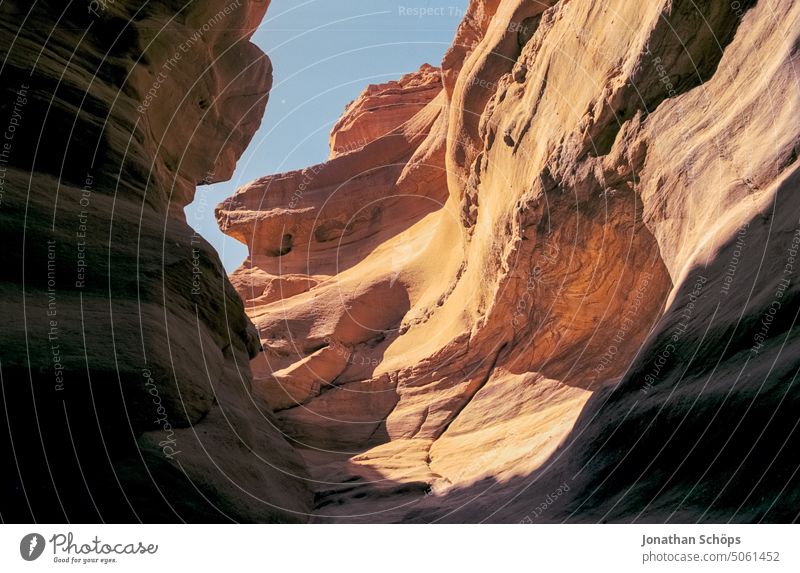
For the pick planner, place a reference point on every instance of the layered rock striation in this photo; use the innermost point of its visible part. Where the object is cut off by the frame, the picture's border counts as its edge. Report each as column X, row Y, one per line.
column 553, row 280
column 125, row 349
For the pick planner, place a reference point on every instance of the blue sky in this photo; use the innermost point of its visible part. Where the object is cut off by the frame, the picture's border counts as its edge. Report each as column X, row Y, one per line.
column 324, row 52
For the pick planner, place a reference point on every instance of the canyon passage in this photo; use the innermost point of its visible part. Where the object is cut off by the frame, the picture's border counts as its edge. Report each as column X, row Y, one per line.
column 551, row 278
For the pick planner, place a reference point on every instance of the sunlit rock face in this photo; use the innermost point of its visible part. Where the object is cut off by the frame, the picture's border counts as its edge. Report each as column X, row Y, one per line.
column 125, row 349
column 552, row 280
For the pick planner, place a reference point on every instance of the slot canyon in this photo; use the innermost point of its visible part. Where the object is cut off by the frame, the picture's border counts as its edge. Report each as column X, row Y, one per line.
column 551, row 278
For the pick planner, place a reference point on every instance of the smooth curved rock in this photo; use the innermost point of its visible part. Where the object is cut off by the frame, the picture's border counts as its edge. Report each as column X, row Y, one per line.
column 125, row 351
column 576, row 313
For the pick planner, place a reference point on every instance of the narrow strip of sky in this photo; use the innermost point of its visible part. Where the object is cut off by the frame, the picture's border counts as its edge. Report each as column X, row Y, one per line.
column 324, row 53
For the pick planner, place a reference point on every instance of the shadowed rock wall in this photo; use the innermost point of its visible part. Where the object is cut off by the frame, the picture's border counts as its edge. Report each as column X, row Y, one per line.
column 125, row 349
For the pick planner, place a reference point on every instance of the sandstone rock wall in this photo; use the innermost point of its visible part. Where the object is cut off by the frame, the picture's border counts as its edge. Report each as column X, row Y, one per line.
column 553, row 279
column 125, row 349
column 572, row 270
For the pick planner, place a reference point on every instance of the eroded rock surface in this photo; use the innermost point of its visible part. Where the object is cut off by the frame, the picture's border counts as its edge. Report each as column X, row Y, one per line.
column 567, row 265
column 125, row 349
